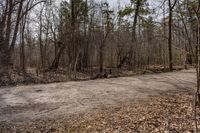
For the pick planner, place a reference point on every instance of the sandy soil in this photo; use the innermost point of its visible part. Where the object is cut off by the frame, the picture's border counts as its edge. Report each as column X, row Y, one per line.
column 26, row 103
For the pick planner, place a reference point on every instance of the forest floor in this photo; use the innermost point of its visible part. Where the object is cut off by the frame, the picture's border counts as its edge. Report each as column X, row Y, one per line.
column 145, row 103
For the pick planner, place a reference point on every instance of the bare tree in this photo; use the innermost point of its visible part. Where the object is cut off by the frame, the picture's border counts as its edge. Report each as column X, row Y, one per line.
column 171, row 7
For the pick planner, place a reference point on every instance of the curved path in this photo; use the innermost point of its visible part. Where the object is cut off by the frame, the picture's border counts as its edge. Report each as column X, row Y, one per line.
column 25, row 103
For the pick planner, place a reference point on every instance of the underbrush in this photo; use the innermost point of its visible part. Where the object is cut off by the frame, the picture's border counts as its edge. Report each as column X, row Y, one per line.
column 32, row 76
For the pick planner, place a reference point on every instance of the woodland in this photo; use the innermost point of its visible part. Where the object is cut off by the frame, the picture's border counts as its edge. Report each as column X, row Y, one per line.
column 136, row 48
column 83, row 39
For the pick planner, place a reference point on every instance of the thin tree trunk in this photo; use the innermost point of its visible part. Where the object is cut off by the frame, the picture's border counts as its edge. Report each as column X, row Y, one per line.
column 22, row 55
column 101, row 59
column 4, row 46
column 40, row 41
column 134, row 37
column 55, row 64
column 11, row 49
column 170, row 38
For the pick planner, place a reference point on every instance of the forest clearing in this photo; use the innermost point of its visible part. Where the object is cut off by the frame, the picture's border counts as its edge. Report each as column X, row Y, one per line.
column 99, row 66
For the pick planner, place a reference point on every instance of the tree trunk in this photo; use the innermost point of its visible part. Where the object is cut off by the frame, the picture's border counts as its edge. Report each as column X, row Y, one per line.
column 22, row 54
column 101, row 59
column 55, row 64
column 40, row 41
column 86, row 42
column 4, row 41
column 134, row 37
column 170, row 41
column 11, row 49
column 170, row 37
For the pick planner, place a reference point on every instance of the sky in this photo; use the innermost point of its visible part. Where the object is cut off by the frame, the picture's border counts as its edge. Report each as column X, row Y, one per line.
column 153, row 4
column 114, row 3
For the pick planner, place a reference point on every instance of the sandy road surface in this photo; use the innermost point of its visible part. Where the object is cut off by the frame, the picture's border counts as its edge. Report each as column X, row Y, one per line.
column 25, row 103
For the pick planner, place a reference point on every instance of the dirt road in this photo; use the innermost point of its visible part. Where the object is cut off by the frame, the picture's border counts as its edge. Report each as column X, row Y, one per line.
column 25, row 103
